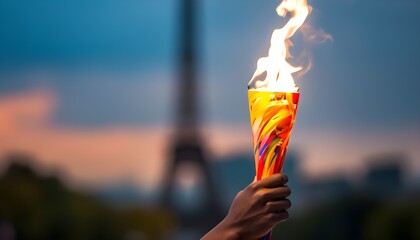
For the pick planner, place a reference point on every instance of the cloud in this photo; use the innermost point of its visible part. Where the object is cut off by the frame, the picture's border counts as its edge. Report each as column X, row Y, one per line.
column 86, row 155
column 98, row 155
column 138, row 153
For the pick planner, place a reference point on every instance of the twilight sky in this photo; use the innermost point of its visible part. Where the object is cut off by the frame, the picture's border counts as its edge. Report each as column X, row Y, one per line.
column 112, row 64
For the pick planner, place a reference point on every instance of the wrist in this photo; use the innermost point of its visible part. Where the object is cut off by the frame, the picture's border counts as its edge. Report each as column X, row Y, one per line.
column 230, row 232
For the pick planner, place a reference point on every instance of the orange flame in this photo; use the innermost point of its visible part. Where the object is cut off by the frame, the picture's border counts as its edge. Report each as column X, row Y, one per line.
column 278, row 71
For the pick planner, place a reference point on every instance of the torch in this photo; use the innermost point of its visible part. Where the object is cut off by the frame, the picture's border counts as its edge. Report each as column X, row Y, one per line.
column 273, row 100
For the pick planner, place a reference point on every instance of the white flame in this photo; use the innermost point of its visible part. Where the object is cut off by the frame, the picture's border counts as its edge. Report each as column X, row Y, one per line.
column 278, row 70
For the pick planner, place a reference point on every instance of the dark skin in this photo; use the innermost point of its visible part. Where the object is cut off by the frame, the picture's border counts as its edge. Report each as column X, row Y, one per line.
column 255, row 210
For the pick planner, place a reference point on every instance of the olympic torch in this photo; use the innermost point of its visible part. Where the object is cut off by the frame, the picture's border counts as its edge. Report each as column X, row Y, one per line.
column 273, row 100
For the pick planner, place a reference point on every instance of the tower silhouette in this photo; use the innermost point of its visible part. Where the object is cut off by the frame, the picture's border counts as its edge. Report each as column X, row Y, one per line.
column 187, row 144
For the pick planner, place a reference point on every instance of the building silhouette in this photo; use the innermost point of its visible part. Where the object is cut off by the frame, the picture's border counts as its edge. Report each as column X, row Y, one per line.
column 187, row 147
column 385, row 175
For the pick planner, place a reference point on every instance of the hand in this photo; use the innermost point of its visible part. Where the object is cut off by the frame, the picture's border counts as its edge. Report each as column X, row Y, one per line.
column 255, row 210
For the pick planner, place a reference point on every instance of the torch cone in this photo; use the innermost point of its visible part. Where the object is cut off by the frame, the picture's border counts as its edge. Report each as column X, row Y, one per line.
column 272, row 118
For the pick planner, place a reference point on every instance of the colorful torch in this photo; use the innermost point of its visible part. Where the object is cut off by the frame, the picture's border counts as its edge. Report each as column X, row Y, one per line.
column 273, row 100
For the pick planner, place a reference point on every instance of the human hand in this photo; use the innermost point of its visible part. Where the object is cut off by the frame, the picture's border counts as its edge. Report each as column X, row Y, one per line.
column 255, row 210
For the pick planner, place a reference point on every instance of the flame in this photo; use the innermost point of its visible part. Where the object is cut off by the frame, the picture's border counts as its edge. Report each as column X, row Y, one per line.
column 278, row 70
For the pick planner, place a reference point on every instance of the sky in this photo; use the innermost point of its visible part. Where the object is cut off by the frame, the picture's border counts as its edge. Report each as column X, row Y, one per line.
column 85, row 73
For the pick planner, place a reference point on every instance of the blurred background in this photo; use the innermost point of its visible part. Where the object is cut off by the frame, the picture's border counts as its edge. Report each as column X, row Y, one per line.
column 129, row 119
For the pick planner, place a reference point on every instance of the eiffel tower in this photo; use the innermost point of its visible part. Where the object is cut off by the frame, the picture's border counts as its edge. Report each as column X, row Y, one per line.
column 187, row 144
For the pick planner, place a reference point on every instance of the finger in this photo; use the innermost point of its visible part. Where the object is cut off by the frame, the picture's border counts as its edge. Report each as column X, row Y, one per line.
column 276, row 180
column 278, row 206
column 273, row 194
column 275, row 218
column 278, row 193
